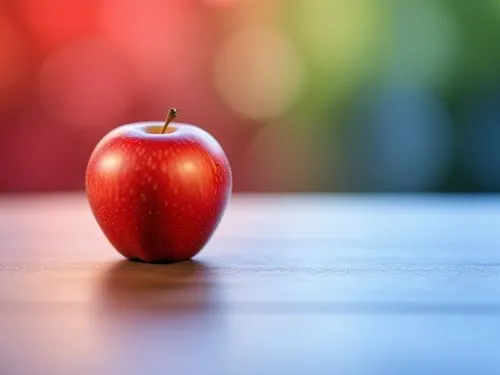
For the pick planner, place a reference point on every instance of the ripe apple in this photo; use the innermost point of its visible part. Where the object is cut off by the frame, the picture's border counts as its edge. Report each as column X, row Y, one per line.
column 158, row 190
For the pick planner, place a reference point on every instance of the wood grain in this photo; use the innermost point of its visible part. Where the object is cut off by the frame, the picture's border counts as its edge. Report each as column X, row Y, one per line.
column 296, row 284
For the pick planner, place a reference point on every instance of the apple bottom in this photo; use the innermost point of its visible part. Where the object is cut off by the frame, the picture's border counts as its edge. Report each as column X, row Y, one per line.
column 160, row 253
column 153, row 226
column 181, row 243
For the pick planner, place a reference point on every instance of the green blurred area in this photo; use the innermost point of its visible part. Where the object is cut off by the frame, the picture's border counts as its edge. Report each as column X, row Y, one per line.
column 441, row 55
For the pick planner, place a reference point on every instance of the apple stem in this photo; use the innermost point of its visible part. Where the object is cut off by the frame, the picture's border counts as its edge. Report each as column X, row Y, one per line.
column 172, row 113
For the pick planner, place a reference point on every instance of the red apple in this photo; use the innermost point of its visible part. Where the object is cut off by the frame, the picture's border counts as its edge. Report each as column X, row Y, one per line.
column 158, row 190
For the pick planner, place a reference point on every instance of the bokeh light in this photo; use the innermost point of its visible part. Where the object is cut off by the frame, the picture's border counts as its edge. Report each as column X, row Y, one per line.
column 259, row 73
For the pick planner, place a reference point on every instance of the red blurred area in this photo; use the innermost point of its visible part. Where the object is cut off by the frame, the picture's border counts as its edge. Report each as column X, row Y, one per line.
column 14, row 64
column 70, row 71
column 50, row 24
column 89, row 78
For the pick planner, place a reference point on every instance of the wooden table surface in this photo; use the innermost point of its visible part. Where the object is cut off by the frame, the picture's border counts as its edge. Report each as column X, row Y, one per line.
column 308, row 284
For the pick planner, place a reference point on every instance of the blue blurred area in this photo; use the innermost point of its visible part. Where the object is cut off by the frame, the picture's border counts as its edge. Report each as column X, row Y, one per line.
column 401, row 140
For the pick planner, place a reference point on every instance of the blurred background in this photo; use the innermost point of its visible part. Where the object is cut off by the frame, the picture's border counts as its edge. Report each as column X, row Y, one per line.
column 304, row 95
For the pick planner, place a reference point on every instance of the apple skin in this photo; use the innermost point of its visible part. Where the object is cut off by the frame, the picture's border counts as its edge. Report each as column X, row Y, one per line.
column 158, row 197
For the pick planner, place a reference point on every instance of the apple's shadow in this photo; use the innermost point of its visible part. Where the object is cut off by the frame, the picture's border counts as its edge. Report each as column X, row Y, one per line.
column 152, row 316
column 136, row 290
